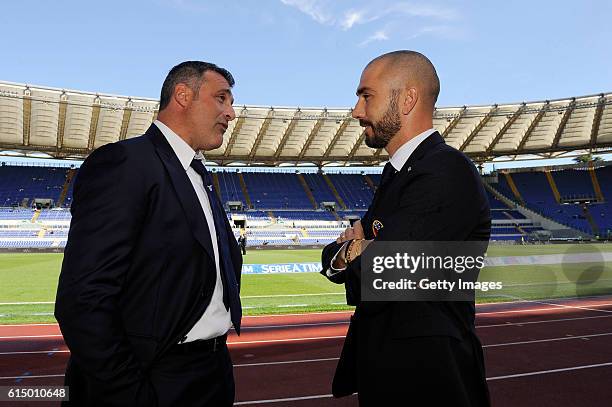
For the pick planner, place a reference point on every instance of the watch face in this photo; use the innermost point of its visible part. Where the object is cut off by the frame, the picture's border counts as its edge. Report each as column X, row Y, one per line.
column 376, row 227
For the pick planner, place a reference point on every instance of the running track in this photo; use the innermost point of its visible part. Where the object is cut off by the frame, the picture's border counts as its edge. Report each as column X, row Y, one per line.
column 548, row 353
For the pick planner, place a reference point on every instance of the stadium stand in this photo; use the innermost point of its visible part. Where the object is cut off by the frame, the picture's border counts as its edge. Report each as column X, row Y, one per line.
column 567, row 196
column 276, row 191
column 284, row 214
column 229, row 185
column 19, row 184
column 353, row 189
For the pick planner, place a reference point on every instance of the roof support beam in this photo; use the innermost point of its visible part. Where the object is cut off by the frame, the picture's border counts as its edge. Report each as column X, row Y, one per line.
column 233, row 136
column 337, row 136
column 377, row 154
column 596, row 120
column 287, row 133
column 262, row 131
column 504, row 129
column 479, row 127
column 61, row 123
column 127, row 114
column 566, row 115
column 454, row 123
column 532, row 127
column 313, row 133
column 93, row 124
column 27, row 115
column 235, row 132
column 356, row 146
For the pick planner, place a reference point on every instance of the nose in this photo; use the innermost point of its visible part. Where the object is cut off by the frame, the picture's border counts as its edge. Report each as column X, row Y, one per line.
column 230, row 114
column 358, row 111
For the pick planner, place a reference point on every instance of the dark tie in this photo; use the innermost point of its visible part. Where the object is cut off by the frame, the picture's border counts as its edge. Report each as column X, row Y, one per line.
column 231, row 296
column 387, row 175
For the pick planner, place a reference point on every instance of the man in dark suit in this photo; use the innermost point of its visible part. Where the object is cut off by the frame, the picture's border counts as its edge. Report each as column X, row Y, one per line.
column 242, row 239
column 149, row 285
column 420, row 352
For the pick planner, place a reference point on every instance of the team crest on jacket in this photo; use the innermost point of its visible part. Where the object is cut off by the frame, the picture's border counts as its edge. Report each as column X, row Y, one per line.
column 376, row 226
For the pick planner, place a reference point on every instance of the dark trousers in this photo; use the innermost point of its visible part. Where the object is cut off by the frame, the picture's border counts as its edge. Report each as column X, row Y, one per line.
column 196, row 378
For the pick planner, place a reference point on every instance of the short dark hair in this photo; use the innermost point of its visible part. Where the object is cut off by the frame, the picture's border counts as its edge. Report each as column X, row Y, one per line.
column 190, row 73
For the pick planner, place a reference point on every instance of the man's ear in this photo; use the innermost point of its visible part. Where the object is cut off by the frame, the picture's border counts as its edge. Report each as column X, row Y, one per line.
column 411, row 96
column 182, row 95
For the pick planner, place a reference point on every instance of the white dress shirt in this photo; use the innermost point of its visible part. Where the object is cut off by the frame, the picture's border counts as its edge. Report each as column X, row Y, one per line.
column 216, row 320
column 402, row 154
column 397, row 160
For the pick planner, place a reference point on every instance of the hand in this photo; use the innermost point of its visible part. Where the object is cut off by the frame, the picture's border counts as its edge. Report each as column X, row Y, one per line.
column 352, row 232
column 356, row 248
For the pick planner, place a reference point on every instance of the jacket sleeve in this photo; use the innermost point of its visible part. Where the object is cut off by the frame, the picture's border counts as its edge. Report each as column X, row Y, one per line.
column 108, row 211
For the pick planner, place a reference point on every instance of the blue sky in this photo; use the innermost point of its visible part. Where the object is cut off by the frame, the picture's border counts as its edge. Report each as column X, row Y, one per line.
column 311, row 52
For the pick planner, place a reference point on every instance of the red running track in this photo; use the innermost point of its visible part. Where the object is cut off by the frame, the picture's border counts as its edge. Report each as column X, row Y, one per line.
column 550, row 353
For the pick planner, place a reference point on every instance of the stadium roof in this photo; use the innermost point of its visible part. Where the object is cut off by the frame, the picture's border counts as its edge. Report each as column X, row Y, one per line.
column 71, row 124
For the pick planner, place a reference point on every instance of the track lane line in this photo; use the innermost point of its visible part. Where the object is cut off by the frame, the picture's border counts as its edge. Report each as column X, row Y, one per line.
column 298, row 325
column 541, row 372
column 285, row 362
column 564, row 338
column 32, row 336
column 541, row 321
column 494, row 345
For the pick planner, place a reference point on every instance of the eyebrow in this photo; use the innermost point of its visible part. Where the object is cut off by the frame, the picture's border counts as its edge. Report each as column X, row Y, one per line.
column 362, row 90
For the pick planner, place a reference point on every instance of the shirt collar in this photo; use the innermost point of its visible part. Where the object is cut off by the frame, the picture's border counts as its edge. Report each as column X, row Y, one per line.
column 183, row 151
column 403, row 153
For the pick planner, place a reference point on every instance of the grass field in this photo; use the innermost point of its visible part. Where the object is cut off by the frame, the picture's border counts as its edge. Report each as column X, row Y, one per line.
column 28, row 282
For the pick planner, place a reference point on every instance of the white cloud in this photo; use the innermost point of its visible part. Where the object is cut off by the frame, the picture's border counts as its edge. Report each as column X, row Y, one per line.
column 380, row 35
column 351, row 18
column 316, row 9
column 441, row 31
column 423, row 10
column 400, row 18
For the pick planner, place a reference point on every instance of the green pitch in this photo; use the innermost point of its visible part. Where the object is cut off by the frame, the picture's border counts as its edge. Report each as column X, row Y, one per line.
column 28, row 282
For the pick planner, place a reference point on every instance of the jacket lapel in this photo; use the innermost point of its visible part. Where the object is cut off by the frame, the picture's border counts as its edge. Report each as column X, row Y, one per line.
column 430, row 142
column 183, row 188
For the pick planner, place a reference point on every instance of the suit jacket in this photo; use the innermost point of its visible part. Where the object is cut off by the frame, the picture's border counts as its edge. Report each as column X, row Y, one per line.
column 436, row 196
column 138, row 270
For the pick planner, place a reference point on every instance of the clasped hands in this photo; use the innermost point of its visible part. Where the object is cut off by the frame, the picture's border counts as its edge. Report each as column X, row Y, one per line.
column 354, row 244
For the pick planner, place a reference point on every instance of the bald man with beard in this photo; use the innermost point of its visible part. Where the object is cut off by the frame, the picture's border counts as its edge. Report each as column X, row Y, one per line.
column 410, row 353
